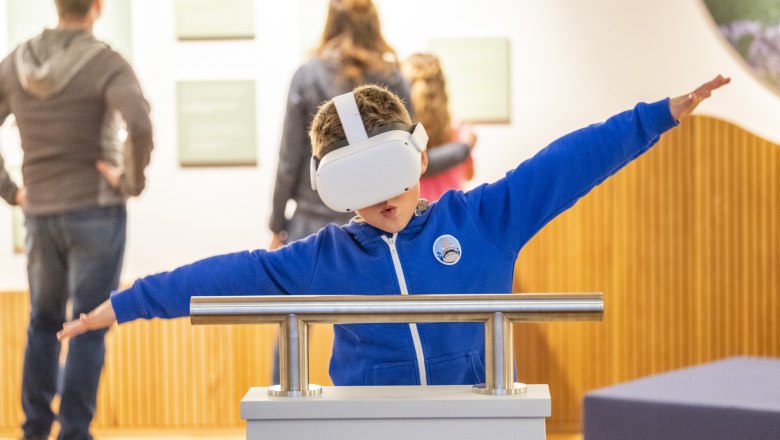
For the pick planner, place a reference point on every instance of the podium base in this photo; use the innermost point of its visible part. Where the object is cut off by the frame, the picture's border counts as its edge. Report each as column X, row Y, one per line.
column 450, row 412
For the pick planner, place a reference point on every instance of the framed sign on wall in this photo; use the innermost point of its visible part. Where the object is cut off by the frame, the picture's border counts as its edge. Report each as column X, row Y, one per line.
column 216, row 123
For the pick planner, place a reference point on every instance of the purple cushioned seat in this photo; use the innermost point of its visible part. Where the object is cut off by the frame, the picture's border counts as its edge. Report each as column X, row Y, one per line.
column 732, row 399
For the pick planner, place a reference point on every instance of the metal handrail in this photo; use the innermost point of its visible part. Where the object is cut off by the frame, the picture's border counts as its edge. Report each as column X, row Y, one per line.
column 497, row 311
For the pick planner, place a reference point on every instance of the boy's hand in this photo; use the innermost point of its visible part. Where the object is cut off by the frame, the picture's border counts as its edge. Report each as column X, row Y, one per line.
column 102, row 317
column 683, row 106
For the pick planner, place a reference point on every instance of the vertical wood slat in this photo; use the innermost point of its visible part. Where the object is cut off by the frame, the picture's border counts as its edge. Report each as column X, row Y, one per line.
column 684, row 242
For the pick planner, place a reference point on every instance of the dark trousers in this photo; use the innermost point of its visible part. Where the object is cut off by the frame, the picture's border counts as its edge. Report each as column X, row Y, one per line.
column 73, row 256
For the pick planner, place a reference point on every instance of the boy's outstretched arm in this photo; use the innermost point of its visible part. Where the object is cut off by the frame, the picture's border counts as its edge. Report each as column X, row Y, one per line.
column 560, row 174
column 102, row 317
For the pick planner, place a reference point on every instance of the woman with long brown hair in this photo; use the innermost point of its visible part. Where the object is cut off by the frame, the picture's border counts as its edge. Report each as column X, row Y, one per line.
column 351, row 52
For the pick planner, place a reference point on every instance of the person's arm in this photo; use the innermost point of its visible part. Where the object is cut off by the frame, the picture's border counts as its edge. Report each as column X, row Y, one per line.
column 511, row 210
column 295, row 149
column 167, row 295
column 446, row 156
column 124, row 94
column 9, row 191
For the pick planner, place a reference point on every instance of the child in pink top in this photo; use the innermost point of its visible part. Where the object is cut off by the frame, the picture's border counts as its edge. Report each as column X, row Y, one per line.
column 430, row 103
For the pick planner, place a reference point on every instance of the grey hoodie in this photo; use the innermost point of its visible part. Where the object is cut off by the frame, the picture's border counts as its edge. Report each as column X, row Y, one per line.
column 70, row 94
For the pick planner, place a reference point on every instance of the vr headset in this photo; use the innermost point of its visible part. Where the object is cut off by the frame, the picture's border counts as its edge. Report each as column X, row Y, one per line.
column 369, row 167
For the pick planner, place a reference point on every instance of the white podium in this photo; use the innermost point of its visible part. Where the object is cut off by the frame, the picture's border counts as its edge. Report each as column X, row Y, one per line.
column 498, row 409
column 397, row 413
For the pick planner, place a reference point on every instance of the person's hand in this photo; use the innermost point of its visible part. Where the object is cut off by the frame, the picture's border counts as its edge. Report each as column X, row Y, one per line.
column 102, row 317
column 21, row 196
column 111, row 173
column 467, row 135
column 683, row 106
column 276, row 242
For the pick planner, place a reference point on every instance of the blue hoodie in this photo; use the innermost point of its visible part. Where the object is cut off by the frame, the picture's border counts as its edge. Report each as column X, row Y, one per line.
column 467, row 242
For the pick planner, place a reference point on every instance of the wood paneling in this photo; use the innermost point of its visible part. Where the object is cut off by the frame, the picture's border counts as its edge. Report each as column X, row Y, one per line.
column 684, row 243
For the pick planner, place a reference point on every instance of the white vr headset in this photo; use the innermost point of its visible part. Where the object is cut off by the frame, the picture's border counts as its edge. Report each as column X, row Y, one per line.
column 367, row 168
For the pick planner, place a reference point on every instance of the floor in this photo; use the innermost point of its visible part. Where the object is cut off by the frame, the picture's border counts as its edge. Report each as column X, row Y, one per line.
column 215, row 435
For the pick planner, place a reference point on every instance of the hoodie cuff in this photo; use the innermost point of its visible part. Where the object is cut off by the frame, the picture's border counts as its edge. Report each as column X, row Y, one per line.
column 126, row 305
column 658, row 117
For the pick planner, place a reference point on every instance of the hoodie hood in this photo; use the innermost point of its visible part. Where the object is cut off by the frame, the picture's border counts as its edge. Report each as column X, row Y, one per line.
column 47, row 63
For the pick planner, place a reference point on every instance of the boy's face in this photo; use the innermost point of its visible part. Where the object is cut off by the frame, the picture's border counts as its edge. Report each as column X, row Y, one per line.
column 394, row 214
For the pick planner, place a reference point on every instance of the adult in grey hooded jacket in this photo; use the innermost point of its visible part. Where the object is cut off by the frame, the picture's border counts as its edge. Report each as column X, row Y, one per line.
column 70, row 94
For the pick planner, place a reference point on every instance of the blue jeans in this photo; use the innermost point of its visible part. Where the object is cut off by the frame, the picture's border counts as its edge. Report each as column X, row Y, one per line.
column 73, row 256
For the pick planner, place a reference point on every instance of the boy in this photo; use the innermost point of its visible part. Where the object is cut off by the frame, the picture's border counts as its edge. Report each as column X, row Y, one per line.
column 467, row 242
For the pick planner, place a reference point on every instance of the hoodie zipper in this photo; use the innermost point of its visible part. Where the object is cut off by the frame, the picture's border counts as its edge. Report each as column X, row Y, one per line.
column 399, row 272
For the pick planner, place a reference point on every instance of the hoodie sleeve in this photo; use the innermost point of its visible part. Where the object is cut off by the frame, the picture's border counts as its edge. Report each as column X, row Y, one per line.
column 124, row 94
column 446, row 156
column 286, row 271
column 8, row 188
column 295, row 148
column 511, row 210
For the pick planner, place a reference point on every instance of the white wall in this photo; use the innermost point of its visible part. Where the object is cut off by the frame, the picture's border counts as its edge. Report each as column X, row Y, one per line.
column 572, row 63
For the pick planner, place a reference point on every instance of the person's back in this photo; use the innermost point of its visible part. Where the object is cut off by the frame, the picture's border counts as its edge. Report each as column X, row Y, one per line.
column 70, row 95
column 58, row 81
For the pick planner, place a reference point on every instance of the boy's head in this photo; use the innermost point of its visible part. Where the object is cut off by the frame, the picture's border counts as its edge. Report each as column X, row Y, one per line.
column 378, row 108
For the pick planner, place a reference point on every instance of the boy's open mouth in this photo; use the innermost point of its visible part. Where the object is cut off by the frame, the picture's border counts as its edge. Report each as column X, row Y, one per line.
column 388, row 211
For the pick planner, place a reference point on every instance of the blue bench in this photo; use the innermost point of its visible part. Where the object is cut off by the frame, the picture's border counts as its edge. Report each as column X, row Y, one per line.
column 732, row 399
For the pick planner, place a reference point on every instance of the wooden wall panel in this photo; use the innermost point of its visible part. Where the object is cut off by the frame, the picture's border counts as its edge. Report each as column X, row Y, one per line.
column 684, row 243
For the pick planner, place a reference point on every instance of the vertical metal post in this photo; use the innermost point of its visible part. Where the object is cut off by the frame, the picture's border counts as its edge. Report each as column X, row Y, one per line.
column 294, row 360
column 499, row 358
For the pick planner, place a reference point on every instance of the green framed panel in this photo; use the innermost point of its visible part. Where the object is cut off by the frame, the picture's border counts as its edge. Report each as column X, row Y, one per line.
column 26, row 19
column 215, row 19
column 477, row 72
column 216, row 123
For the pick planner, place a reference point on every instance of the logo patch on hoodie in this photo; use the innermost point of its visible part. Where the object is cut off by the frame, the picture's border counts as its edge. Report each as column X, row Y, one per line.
column 447, row 250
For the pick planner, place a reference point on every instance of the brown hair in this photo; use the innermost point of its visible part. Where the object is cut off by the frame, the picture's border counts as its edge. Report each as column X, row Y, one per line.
column 378, row 106
column 353, row 39
column 73, row 8
column 429, row 96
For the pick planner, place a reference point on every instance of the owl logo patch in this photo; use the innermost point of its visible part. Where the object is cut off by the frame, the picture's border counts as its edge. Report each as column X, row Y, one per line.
column 447, row 250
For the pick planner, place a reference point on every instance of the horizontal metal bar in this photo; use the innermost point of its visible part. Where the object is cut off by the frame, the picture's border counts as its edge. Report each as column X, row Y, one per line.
column 344, row 309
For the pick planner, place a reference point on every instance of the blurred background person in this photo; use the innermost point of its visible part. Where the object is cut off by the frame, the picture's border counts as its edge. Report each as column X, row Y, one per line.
column 70, row 94
column 431, row 107
column 352, row 51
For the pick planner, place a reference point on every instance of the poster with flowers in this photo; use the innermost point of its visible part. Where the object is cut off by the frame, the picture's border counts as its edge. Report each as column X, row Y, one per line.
column 752, row 28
